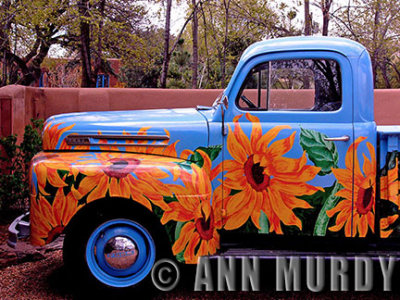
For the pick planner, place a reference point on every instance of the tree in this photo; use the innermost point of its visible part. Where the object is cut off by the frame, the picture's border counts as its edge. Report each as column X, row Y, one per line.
column 228, row 27
column 307, row 18
column 325, row 7
column 166, row 53
column 195, row 56
column 27, row 31
column 374, row 24
column 86, row 60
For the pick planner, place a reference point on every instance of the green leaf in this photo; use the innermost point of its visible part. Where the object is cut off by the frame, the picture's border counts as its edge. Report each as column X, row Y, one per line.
column 184, row 165
column 211, row 151
column 180, row 257
column 322, row 153
column 263, row 223
column 178, row 229
column 330, row 202
column 169, row 199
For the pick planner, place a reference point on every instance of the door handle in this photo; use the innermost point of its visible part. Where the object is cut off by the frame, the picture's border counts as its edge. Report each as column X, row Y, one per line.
column 343, row 138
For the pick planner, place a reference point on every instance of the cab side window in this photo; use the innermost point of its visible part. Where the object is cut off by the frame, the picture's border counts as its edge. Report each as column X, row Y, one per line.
column 298, row 84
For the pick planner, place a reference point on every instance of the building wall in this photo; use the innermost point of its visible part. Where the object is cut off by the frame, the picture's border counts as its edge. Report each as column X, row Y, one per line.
column 18, row 104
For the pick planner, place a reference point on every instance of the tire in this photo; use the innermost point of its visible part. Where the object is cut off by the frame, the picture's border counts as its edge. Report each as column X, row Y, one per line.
column 111, row 251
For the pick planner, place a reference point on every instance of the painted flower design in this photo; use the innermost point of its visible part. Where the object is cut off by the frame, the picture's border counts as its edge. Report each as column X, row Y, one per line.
column 389, row 190
column 49, row 220
column 199, row 235
column 168, row 150
column 264, row 179
column 124, row 175
column 47, row 172
column 389, row 187
column 385, row 223
column 364, row 193
column 52, row 134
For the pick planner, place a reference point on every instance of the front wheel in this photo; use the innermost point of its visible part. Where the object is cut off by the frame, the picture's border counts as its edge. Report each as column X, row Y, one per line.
column 120, row 253
column 115, row 252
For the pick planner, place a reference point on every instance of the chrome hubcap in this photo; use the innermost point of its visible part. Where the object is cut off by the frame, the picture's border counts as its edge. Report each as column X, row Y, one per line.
column 120, row 252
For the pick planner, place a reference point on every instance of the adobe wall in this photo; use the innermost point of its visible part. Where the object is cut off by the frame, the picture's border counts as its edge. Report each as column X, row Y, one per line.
column 18, row 104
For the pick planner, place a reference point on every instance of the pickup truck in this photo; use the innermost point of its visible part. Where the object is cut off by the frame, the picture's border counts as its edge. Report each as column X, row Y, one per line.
column 290, row 150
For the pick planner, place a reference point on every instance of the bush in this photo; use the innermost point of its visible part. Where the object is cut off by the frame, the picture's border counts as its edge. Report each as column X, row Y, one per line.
column 14, row 166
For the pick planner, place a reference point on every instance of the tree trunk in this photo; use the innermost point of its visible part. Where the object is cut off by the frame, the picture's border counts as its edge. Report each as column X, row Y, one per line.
column 206, row 42
column 5, row 42
column 325, row 6
column 87, row 74
column 99, row 64
column 34, row 72
column 166, row 55
column 223, row 66
column 195, row 56
column 375, row 54
column 307, row 18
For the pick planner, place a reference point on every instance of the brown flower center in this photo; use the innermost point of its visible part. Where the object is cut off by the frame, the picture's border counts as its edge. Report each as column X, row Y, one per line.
column 364, row 200
column 205, row 227
column 120, row 168
column 255, row 175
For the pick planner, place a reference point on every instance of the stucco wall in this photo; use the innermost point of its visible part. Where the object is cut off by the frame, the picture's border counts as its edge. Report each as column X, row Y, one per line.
column 18, row 104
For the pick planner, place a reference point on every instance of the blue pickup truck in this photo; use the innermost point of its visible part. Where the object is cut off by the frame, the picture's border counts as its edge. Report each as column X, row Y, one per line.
column 289, row 150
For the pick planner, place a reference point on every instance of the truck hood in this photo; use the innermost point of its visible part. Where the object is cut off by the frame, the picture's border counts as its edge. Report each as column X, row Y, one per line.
column 170, row 132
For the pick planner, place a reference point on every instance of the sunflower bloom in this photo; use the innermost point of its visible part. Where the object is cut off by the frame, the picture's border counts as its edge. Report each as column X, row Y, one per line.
column 390, row 185
column 48, row 221
column 199, row 235
column 124, row 175
column 45, row 168
column 264, row 179
column 52, row 134
column 364, row 193
column 168, row 150
column 385, row 223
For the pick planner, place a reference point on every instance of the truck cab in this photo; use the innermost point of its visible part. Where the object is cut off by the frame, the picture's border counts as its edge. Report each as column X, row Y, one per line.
column 288, row 150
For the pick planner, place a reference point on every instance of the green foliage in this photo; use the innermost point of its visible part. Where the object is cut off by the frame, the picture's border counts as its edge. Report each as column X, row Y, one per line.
column 14, row 164
column 322, row 153
column 330, row 201
column 263, row 223
column 211, row 151
column 374, row 24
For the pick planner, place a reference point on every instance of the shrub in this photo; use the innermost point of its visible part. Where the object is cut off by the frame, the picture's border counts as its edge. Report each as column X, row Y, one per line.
column 14, row 166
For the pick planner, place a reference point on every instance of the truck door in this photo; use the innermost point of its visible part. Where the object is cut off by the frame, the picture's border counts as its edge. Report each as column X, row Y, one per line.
column 289, row 145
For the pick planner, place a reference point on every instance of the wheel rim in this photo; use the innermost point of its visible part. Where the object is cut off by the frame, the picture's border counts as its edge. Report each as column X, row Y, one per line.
column 120, row 253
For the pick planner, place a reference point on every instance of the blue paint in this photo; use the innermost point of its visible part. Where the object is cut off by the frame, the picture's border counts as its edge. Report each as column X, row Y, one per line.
column 125, row 277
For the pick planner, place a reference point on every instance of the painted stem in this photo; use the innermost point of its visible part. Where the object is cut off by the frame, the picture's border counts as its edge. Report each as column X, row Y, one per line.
column 322, row 221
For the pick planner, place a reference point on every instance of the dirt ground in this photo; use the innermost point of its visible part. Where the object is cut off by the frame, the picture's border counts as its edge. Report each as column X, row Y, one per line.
column 40, row 274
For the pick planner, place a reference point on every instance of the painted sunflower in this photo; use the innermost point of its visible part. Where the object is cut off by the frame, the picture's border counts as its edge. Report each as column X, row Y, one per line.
column 385, row 223
column 364, row 193
column 198, row 235
column 52, row 134
column 123, row 175
column 389, row 187
column 48, row 221
column 44, row 169
column 389, row 190
column 168, row 150
column 263, row 179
